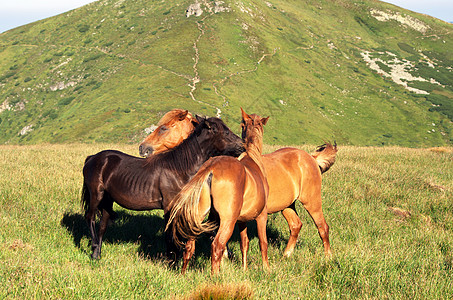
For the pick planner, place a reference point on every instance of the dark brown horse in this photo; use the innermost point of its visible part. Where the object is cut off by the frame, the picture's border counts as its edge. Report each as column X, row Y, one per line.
column 151, row 183
column 292, row 174
column 236, row 189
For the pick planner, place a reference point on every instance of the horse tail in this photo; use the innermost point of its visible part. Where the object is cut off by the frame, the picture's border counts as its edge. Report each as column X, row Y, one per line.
column 85, row 198
column 325, row 156
column 186, row 219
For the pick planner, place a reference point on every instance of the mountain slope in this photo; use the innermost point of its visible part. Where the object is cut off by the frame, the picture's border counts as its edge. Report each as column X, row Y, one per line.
column 359, row 72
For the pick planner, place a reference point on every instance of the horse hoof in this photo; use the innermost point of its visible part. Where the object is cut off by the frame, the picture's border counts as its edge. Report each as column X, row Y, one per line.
column 172, row 264
column 287, row 254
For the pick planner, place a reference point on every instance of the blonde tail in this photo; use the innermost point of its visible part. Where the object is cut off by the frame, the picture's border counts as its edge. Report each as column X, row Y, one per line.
column 325, row 156
column 185, row 219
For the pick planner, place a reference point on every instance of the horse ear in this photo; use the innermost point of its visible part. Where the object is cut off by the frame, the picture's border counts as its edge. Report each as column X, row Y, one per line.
column 264, row 120
column 197, row 119
column 244, row 115
column 183, row 115
column 194, row 122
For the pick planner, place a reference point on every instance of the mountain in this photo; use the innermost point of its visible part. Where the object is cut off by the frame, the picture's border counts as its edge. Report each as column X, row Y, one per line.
column 358, row 72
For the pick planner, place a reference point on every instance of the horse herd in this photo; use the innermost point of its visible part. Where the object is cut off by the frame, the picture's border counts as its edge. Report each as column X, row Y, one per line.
column 196, row 167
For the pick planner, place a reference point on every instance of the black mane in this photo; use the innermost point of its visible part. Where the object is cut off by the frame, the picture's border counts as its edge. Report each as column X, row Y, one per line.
column 181, row 158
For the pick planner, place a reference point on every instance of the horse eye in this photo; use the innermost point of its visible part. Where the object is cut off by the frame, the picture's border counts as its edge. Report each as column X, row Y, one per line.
column 163, row 128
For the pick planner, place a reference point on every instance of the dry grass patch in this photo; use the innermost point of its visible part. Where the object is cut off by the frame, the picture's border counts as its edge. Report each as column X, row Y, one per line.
column 441, row 149
column 20, row 245
column 404, row 214
column 222, row 291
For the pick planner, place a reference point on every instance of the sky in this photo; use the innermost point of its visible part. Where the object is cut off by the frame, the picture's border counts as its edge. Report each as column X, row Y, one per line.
column 14, row 13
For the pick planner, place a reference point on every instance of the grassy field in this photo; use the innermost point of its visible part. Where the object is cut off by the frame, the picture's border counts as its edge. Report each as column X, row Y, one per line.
column 390, row 212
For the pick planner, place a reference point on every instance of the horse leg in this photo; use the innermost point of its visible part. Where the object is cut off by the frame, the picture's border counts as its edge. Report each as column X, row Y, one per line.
column 219, row 244
column 315, row 211
column 244, row 243
column 108, row 215
column 214, row 217
column 189, row 250
column 102, row 228
column 323, row 230
column 94, row 237
column 96, row 196
column 295, row 225
column 261, row 221
column 172, row 250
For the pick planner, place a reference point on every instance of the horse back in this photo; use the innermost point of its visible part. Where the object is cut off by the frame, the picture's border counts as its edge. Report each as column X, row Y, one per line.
column 102, row 163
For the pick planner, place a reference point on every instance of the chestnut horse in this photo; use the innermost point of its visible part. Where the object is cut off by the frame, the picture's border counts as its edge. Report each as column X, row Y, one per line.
column 149, row 183
column 292, row 174
column 236, row 189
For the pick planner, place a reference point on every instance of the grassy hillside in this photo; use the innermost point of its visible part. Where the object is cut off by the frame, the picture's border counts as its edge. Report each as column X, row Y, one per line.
column 389, row 210
column 360, row 72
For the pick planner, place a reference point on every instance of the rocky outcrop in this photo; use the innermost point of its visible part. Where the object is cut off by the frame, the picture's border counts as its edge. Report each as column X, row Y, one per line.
column 194, row 10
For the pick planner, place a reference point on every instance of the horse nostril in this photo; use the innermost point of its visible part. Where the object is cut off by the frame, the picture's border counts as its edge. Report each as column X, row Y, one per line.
column 145, row 150
column 149, row 151
column 140, row 150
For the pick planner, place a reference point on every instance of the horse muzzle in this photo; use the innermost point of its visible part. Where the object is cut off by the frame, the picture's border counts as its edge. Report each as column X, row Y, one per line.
column 145, row 150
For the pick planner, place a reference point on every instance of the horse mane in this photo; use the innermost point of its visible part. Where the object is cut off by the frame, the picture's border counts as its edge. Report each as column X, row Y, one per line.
column 253, row 141
column 181, row 158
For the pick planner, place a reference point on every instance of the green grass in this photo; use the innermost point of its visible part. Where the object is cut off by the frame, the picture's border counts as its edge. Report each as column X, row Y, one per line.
column 390, row 213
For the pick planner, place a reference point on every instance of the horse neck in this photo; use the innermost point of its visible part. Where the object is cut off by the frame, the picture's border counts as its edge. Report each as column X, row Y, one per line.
column 254, row 148
column 186, row 158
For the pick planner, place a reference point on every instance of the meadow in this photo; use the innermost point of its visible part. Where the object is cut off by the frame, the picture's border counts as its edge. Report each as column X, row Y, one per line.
column 390, row 212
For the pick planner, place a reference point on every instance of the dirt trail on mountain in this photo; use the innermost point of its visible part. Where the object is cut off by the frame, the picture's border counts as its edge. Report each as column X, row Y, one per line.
column 196, row 79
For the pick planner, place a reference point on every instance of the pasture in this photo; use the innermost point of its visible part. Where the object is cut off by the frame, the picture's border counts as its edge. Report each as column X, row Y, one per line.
column 390, row 212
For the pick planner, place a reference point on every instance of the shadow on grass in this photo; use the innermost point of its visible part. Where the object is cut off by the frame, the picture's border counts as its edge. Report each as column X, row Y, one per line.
column 147, row 231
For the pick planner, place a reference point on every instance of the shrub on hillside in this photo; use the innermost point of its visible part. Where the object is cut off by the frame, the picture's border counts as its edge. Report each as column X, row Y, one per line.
column 66, row 100
column 83, row 28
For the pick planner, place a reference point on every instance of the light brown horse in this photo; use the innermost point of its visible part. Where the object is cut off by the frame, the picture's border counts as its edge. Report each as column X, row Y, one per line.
column 236, row 189
column 174, row 127
column 294, row 174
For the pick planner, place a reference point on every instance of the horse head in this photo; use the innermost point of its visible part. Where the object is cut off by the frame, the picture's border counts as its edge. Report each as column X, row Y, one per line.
column 252, row 129
column 174, row 127
column 218, row 138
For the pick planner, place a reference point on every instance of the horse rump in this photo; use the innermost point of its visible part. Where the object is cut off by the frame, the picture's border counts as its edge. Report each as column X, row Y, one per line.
column 185, row 219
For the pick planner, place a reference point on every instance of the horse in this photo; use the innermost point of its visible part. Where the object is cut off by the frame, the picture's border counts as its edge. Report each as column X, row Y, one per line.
column 149, row 183
column 293, row 175
column 171, row 130
column 236, row 189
